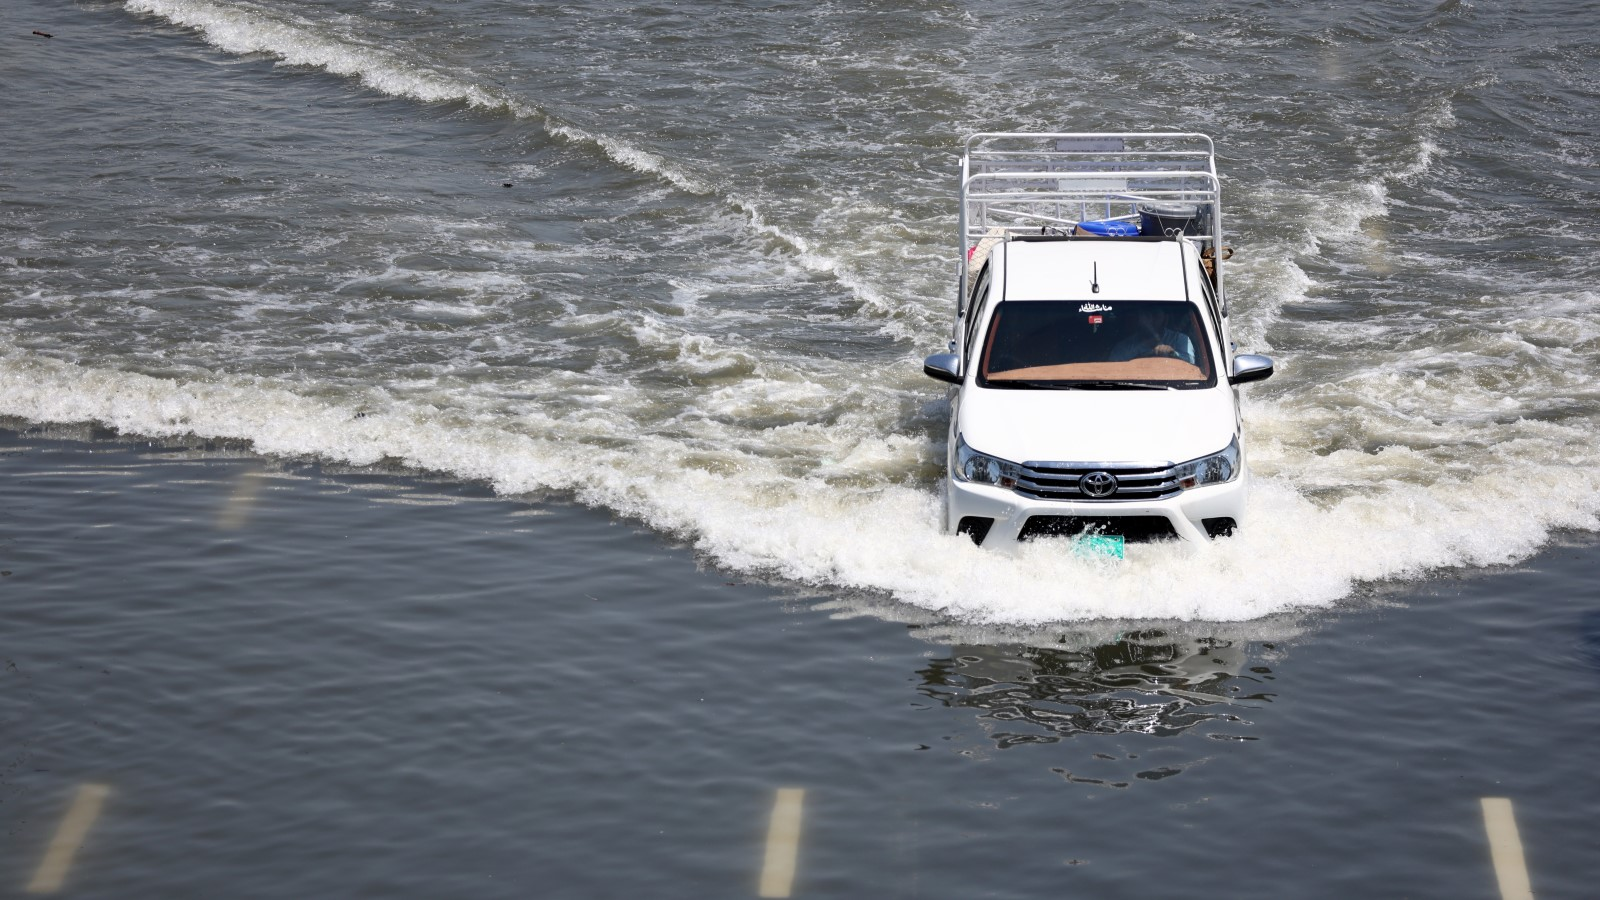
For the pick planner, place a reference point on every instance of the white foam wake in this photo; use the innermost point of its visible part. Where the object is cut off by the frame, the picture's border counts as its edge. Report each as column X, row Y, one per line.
column 882, row 538
column 297, row 42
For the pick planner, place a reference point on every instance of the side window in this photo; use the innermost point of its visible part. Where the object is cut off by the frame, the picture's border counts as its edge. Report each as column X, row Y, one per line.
column 1211, row 302
column 980, row 284
column 980, row 295
column 975, row 303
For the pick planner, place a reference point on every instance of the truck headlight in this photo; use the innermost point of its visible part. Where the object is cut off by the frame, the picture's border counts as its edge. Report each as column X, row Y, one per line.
column 981, row 468
column 1218, row 468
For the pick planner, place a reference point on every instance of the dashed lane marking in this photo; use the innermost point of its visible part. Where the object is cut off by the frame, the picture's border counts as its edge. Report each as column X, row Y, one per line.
column 783, row 843
column 243, row 499
column 1505, row 848
column 69, row 837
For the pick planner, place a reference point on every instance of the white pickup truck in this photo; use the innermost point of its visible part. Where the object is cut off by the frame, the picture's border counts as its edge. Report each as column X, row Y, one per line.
column 1095, row 382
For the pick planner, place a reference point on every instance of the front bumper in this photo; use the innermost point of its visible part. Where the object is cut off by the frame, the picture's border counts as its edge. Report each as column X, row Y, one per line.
column 1193, row 515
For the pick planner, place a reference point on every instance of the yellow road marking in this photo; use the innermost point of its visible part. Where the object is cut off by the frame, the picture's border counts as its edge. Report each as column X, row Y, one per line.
column 1505, row 848
column 69, row 837
column 783, row 843
column 244, row 497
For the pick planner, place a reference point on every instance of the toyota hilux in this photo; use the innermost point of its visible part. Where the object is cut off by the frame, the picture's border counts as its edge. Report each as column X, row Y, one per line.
column 1094, row 381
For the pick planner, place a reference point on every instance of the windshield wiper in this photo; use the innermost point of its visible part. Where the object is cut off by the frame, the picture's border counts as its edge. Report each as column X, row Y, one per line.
column 1076, row 385
column 1033, row 385
column 1117, row 386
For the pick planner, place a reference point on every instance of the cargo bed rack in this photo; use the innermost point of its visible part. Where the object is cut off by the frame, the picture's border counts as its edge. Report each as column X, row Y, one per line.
column 1016, row 184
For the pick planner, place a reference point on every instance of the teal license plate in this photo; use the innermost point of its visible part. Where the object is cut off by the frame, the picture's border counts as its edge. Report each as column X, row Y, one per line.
column 1097, row 545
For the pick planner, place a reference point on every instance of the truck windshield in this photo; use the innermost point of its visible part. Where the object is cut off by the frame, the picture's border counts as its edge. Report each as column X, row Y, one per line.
column 1061, row 344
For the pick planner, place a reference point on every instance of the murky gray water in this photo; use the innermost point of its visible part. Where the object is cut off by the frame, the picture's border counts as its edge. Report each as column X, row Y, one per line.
column 298, row 681
column 510, row 463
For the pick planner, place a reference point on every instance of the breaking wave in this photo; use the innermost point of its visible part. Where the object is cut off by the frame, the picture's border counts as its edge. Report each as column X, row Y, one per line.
column 885, row 539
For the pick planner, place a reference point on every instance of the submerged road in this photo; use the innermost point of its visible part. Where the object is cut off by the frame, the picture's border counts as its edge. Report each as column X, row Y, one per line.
column 245, row 677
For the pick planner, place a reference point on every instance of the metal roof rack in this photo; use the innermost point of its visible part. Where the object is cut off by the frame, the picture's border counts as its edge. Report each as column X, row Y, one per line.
column 1028, row 183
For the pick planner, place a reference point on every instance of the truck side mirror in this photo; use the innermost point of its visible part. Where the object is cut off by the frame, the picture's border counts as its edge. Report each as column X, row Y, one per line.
column 1248, row 367
column 945, row 367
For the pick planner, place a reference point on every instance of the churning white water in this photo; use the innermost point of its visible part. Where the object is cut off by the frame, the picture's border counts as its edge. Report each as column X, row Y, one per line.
column 685, row 267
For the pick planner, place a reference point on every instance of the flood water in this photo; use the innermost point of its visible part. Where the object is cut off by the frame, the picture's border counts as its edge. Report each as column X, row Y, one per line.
column 727, row 245
column 480, row 449
column 300, row 680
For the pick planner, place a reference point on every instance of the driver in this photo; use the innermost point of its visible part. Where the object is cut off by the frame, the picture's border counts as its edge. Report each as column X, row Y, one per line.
column 1152, row 335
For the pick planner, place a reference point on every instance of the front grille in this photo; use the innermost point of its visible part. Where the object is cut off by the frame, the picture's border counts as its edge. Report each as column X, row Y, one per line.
column 1133, row 529
column 1060, row 481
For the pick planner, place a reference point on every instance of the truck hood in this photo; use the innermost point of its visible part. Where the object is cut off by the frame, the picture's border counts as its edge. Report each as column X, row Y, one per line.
column 1132, row 426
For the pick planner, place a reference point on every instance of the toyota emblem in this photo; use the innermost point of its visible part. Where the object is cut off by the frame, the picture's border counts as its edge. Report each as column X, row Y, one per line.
column 1098, row 484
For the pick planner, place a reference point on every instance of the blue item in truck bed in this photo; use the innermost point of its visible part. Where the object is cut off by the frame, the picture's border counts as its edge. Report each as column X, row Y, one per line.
column 1109, row 228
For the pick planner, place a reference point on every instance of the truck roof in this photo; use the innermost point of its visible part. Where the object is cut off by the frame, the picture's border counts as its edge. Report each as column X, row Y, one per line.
column 1123, row 269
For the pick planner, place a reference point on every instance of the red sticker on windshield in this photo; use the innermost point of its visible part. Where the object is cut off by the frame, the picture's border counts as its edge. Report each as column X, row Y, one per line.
column 1096, row 320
